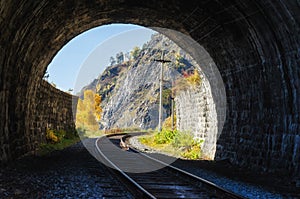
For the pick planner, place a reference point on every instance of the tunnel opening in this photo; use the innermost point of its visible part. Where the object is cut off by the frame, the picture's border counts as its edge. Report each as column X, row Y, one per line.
column 202, row 123
column 254, row 45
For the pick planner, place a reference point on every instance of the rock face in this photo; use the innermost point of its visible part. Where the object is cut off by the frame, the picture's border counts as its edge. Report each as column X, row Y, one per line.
column 133, row 102
column 130, row 94
column 130, row 91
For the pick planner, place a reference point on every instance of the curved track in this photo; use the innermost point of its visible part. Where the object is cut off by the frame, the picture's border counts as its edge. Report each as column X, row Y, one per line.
column 166, row 182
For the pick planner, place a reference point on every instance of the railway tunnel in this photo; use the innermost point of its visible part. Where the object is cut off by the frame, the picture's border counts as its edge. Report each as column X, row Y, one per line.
column 254, row 44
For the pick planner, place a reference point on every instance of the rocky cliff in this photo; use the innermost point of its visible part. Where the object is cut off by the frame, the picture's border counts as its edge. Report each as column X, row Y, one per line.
column 130, row 91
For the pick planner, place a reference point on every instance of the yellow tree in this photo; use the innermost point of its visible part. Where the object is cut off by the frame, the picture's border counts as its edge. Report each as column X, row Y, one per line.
column 98, row 109
column 80, row 116
column 89, row 111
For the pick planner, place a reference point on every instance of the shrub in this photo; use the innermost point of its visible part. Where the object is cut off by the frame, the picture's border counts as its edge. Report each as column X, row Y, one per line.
column 190, row 147
column 192, row 153
column 70, row 134
column 51, row 137
column 182, row 143
column 81, row 131
column 183, row 139
column 56, row 143
column 188, row 81
column 194, row 79
column 55, row 136
column 60, row 134
column 165, row 136
column 168, row 123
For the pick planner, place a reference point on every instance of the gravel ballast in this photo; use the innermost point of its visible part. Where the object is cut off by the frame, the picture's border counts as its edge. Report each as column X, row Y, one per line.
column 74, row 173
column 70, row 173
column 228, row 177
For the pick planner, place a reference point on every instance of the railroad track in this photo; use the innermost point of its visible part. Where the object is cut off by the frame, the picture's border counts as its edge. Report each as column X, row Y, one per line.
column 166, row 182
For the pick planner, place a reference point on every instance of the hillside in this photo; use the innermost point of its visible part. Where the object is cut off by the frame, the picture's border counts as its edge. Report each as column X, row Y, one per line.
column 130, row 90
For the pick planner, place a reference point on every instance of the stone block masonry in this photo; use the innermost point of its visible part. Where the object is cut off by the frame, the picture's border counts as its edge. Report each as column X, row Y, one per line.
column 54, row 110
column 254, row 45
column 195, row 113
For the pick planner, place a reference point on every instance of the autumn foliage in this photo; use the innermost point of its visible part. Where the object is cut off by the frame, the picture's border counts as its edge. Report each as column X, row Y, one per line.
column 167, row 125
column 51, row 137
column 98, row 109
column 194, row 79
column 187, row 81
column 89, row 111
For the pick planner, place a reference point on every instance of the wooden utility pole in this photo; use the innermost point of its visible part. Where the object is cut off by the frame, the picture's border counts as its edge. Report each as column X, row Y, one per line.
column 161, row 79
column 172, row 107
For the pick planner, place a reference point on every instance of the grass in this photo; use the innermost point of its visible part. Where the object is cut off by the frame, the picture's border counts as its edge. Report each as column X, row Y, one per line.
column 47, row 148
column 57, row 140
column 149, row 141
column 175, row 143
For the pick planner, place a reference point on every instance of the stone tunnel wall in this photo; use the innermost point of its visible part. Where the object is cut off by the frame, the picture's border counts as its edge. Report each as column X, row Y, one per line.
column 54, row 110
column 262, row 87
column 256, row 50
column 255, row 45
column 195, row 113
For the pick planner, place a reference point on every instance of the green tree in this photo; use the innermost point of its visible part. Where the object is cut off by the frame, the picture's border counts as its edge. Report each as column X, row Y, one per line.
column 179, row 60
column 135, row 52
column 120, row 57
column 112, row 61
column 127, row 56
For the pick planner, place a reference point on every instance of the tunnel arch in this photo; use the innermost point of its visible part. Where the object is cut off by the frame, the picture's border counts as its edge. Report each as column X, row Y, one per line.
column 255, row 45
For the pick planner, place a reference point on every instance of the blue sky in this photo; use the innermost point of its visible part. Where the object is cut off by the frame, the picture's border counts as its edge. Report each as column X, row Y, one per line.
column 87, row 55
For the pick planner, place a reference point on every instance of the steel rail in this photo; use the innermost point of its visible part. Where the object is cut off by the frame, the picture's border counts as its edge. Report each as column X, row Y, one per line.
column 177, row 172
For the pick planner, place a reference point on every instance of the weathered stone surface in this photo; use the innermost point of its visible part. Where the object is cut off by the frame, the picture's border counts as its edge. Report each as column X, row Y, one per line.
column 130, row 91
column 196, row 113
column 55, row 110
column 255, row 45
